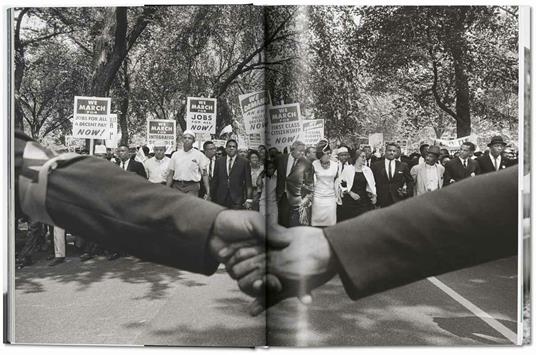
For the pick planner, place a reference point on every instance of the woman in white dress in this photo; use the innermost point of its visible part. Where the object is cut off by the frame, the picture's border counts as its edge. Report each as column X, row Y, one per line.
column 267, row 183
column 324, row 209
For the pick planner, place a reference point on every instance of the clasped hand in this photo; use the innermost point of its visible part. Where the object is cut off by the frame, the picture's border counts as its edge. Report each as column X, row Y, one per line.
column 286, row 262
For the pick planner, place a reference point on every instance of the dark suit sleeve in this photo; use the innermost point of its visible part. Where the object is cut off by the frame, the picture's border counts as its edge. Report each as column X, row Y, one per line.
column 447, row 175
column 308, row 179
column 214, row 180
column 248, row 179
column 409, row 179
column 470, row 222
column 142, row 172
column 102, row 203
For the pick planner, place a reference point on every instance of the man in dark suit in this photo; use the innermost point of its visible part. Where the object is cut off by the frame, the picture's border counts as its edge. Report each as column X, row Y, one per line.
column 493, row 161
column 128, row 164
column 231, row 182
column 461, row 167
column 393, row 179
column 294, row 185
column 387, row 248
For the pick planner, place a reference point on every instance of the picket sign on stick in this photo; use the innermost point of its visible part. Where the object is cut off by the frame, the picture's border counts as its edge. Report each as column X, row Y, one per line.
column 201, row 114
column 91, row 118
column 284, row 125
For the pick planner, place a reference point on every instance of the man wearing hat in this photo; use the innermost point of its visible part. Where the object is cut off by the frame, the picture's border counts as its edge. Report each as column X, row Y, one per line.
column 188, row 167
column 462, row 166
column 157, row 166
column 428, row 175
column 493, row 161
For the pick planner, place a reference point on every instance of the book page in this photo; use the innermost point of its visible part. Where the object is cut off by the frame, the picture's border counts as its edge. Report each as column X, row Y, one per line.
column 124, row 120
column 397, row 135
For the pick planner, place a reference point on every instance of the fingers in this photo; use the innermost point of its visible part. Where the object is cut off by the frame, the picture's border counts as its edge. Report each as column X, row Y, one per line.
column 257, row 306
column 244, row 253
column 243, row 268
column 306, row 299
column 227, row 250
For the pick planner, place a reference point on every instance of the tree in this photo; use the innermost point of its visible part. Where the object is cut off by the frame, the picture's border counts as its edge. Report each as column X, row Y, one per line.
column 443, row 43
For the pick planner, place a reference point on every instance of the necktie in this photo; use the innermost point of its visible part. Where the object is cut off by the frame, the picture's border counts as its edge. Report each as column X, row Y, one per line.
column 496, row 164
column 465, row 163
column 230, row 166
column 123, row 165
column 210, row 169
column 390, row 171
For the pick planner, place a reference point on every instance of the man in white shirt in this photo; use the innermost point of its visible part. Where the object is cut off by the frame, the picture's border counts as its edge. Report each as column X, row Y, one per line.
column 188, row 167
column 428, row 176
column 157, row 166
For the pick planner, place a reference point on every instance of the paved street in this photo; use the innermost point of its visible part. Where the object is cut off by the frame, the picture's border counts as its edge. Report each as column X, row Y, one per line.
column 127, row 301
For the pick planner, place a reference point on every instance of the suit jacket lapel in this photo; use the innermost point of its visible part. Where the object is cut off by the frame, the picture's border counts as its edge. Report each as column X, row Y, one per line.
column 294, row 166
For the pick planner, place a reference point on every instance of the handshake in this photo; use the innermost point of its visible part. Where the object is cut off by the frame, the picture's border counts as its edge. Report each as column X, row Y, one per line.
column 273, row 266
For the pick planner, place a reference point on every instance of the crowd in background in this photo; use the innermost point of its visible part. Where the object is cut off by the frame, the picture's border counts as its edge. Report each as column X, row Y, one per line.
column 318, row 185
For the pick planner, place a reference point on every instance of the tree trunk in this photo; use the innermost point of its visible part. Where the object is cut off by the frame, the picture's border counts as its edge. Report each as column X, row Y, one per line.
column 20, row 66
column 458, row 48
column 123, row 105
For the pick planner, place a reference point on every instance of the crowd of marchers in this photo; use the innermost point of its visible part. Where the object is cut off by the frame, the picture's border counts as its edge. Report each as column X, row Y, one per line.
column 317, row 185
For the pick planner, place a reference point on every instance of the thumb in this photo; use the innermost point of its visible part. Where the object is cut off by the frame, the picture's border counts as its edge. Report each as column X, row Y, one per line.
column 278, row 237
column 233, row 226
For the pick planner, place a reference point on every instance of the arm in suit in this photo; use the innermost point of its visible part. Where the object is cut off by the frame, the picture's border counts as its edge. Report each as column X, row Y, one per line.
column 102, row 203
column 447, row 176
column 214, row 181
column 138, row 168
column 249, row 186
column 445, row 230
column 308, row 180
column 409, row 179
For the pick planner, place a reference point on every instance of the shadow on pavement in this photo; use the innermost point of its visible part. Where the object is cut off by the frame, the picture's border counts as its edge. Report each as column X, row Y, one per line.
column 99, row 269
column 473, row 328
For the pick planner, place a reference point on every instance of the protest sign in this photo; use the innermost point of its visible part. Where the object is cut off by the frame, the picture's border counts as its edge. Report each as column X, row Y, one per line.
column 312, row 131
column 375, row 141
column 219, row 142
column 73, row 143
column 201, row 138
column 113, row 135
column 162, row 130
column 284, row 125
column 454, row 144
column 201, row 115
column 91, row 117
column 253, row 107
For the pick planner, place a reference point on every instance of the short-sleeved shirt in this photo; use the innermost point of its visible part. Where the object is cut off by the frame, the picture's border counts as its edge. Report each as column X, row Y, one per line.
column 157, row 169
column 187, row 166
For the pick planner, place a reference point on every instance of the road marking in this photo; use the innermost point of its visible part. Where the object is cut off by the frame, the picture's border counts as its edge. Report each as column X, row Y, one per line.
column 492, row 322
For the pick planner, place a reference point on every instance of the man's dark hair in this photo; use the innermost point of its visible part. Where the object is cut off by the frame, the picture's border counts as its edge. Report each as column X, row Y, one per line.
column 221, row 150
column 392, row 144
column 471, row 146
column 123, row 145
column 421, row 148
column 145, row 150
column 206, row 143
column 231, row 140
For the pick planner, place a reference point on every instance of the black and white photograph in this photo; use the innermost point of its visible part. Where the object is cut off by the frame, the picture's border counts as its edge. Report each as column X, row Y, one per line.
column 252, row 175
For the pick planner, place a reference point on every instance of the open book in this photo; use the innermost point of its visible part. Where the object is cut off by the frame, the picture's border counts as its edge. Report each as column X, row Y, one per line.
column 240, row 175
